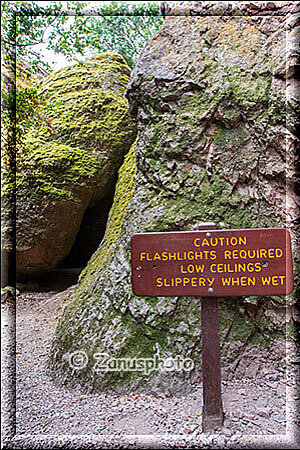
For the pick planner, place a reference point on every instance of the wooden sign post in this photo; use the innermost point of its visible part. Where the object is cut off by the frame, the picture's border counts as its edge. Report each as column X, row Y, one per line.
column 212, row 411
column 212, row 263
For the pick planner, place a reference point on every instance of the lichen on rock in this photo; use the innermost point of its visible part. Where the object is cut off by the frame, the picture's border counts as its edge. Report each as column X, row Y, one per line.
column 210, row 148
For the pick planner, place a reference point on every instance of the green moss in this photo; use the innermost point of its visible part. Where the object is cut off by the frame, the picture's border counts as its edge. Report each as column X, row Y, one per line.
column 90, row 125
column 242, row 329
column 93, row 120
column 236, row 137
column 249, row 89
column 145, row 335
column 205, row 201
column 123, row 194
column 104, row 67
column 54, row 169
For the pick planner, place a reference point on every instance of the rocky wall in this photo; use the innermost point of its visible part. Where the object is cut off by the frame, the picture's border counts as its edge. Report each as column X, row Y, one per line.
column 214, row 97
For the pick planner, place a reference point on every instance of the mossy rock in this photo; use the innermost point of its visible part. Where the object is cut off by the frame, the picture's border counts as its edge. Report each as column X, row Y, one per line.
column 73, row 163
column 211, row 121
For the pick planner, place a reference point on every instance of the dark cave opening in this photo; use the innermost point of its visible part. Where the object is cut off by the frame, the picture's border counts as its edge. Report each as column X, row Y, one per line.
column 90, row 234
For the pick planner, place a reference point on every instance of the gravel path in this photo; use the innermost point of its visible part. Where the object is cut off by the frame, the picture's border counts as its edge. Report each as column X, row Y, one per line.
column 260, row 413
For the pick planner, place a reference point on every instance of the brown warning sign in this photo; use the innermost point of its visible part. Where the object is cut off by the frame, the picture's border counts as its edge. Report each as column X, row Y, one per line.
column 212, row 263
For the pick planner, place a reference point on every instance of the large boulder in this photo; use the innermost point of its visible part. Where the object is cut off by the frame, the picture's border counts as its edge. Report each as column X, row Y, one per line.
column 73, row 164
column 216, row 143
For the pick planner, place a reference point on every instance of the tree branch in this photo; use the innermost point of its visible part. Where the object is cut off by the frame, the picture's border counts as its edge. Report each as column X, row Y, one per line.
column 41, row 41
